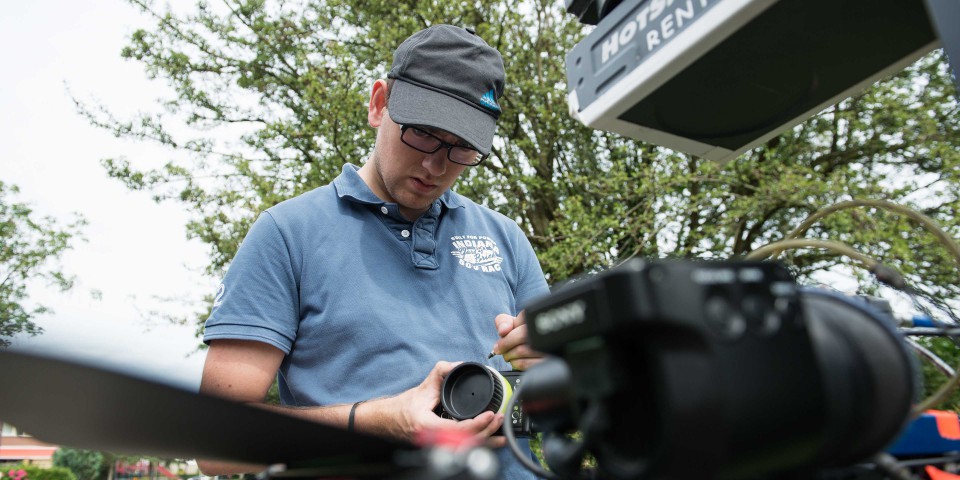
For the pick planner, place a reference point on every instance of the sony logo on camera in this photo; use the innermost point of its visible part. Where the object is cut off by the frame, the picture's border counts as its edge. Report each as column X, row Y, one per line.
column 561, row 317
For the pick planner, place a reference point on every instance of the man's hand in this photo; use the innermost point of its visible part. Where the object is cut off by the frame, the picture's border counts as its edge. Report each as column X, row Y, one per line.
column 412, row 412
column 513, row 342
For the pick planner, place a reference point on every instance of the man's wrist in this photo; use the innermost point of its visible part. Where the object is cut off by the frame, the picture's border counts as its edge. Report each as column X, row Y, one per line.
column 378, row 416
column 351, row 417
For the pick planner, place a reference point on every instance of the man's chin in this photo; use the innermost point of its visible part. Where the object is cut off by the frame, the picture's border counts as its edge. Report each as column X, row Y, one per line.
column 418, row 201
column 414, row 210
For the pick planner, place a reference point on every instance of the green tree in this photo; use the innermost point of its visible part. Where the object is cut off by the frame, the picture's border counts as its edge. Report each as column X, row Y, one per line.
column 28, row 246
column 932, row 377
column 288, row 81
column 85, row 464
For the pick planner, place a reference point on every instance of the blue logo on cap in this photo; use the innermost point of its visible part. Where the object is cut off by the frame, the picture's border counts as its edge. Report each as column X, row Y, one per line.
column 490, row 101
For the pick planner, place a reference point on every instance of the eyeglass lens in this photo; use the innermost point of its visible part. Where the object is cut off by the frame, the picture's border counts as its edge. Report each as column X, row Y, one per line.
column 428, row 143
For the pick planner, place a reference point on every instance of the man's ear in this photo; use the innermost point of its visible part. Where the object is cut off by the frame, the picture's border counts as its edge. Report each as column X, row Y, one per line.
column 378, row 103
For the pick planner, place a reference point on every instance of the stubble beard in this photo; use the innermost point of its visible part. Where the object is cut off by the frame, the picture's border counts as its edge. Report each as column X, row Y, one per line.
column 395, row 191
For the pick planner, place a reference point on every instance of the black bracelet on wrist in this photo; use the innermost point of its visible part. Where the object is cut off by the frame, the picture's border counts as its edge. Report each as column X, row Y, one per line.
column 353, row 413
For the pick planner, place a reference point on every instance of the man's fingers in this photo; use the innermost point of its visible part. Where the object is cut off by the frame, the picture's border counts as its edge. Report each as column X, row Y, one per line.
column 498, row 423
column 472, row 425
column 515, row 338
column 482, row 426
column 494, row 424
column 504, row 324
column 441, row 369
column 477, row 424
column 432, row 384
column 525, row 363
column 520, row 351
column 520, row 319
column 488, row 431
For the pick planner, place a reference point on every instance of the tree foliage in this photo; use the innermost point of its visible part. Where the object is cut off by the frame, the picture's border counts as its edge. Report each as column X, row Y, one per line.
column 28, row 246
column 933, row 378
column 288, row 81
column 85, row 464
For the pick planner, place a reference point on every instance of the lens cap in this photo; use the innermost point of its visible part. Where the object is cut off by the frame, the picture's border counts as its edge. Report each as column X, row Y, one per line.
column 470, row 389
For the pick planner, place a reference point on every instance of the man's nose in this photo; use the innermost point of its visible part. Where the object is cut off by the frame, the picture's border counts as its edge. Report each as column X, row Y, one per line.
column 436, row 162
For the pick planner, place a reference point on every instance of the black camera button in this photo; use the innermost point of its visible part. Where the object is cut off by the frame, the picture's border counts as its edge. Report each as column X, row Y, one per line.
column 722, row 319
column 759, row 312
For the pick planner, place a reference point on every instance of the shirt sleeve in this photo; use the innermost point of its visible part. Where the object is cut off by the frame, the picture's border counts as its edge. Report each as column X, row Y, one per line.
column 258, row 299
column 531, row 284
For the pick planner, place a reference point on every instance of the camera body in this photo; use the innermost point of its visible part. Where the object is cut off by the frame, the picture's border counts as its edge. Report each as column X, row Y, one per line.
column 517, row 419
column 729, row 362
column 473, row 388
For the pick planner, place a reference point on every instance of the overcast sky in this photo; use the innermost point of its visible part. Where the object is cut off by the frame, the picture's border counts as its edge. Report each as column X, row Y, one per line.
column 136, row 250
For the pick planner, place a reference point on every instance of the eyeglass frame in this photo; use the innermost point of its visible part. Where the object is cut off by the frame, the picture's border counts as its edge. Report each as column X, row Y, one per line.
column 449, row 146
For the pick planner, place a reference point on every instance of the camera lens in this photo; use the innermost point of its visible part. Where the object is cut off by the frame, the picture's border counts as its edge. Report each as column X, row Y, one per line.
column 473, row 388
column 868, row 375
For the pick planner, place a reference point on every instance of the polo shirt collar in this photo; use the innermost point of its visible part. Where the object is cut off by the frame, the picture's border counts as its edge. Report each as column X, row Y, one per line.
column 351, row 187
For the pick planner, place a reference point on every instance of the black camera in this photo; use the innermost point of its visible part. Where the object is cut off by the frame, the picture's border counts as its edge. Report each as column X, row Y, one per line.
column 724, row 369
column 472, row 388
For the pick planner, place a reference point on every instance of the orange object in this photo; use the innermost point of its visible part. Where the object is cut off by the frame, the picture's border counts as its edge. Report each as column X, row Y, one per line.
column 948, row 424
column 936, row 474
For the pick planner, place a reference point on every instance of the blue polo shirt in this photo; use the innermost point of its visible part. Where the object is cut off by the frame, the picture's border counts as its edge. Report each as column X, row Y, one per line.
column 364, row 302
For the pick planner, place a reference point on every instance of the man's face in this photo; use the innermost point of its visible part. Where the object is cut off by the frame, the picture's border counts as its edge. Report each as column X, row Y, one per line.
column 406, row 176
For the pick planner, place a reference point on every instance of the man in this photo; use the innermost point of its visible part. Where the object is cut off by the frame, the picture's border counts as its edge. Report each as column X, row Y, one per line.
column 363, row 293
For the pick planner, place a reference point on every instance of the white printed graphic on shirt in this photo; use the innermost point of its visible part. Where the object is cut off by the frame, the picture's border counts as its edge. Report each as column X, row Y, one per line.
column 218, row 300
column 477, row 252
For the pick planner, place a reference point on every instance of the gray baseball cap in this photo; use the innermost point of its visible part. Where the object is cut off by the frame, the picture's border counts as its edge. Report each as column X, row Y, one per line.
column 448, row 78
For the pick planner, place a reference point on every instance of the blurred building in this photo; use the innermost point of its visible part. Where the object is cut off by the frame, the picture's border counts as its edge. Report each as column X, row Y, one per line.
column 19, row 447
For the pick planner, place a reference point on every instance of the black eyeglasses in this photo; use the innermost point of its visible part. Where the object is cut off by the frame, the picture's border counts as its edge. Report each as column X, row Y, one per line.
column 426, row 142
